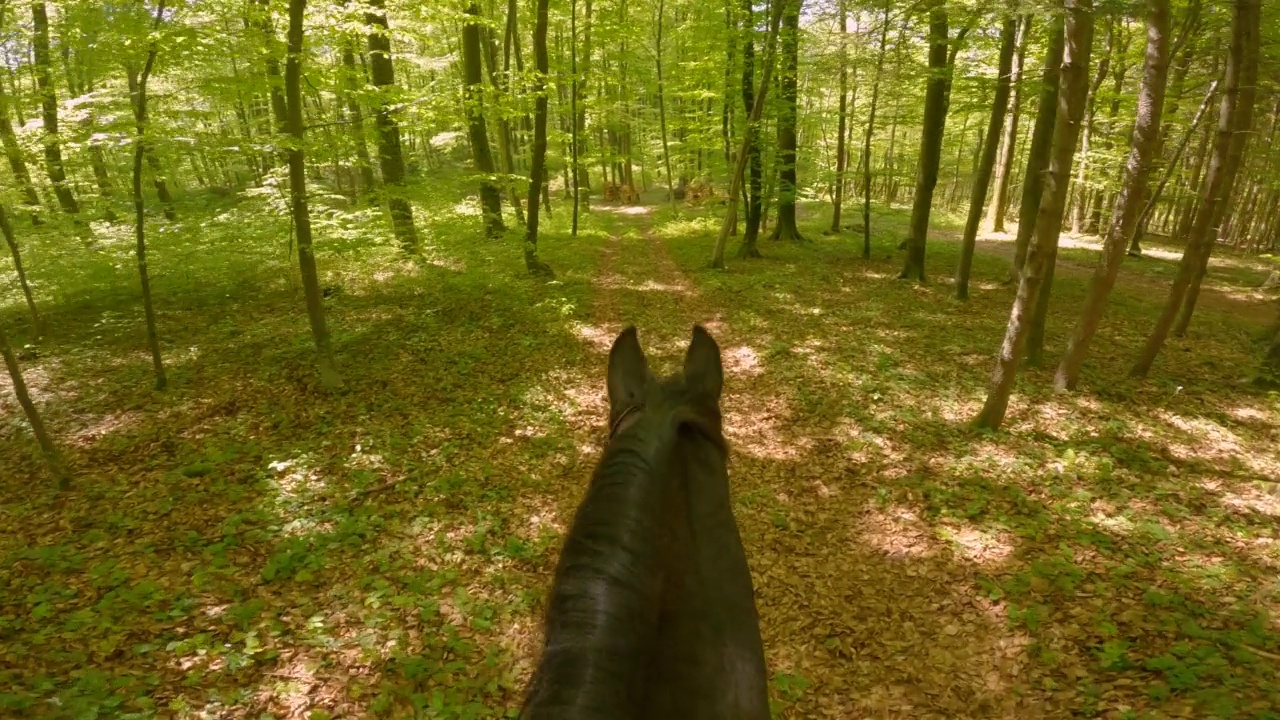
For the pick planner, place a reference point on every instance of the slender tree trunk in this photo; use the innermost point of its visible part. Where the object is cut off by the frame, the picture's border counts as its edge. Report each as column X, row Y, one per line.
column 788, row 114
column 329, row 376
column 390, row 157
column 1235, row 121
column 473, row 72
column 1071, row 106
column 17, row 163
column 538, row 166
column 49, row 104
column 866, row 138
column 53, row 458
column 1041, row 146
column 841, row 156
column 352, row 79
column 582, row 74
column 1172, row 166
column 1091, row 111
column 662, row 106
column 935, row 121
column 6, row 227
column 753, row 119
column 982, row 179
column 1009, row 145
column 139, row 89
column 161, row 184
column 576, row 129
column 1124, row 218
column 751, row 146
column 504, row 128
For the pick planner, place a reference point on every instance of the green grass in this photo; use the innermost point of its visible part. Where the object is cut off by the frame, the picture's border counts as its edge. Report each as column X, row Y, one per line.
column 246, row 545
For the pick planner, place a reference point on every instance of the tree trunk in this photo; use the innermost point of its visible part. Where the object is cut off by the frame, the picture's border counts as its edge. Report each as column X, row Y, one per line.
column 1071, row 104
column 329, row 376
column 53, row 459
column 751, row 146
column 582, row 74
column 1009, row 145
column 504, row 129
column 352, row 80
column 1124, row 219
column 1091, row 111
column 662, row 107
column 841, row 156
column 161, row 184
column 785, row 228
column 1235, row 121
column 49, row 105
column 17, row 163
column 538, row 165
column 982, row 179
column 139, row 89
column 473, row 74
column 37, row 327
column 1170, row 167
column 1041, row 146
column 753, row 119
column 866, row 138
column 390, row 158
column 935, row 122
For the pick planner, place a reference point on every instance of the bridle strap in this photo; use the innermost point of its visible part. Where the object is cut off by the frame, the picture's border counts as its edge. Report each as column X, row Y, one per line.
column 617, row 424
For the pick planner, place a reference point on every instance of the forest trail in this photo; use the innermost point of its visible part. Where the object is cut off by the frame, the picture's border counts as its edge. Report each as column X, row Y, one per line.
column 247, row 544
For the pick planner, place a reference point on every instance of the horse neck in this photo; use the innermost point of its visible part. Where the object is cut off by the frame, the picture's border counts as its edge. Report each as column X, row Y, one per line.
column 602, row 616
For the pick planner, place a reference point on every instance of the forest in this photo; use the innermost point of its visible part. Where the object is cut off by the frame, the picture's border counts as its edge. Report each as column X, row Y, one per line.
column 306, row 308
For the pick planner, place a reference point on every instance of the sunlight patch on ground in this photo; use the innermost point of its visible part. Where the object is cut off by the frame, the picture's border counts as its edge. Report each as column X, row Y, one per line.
column 633, row 210
column 1245, row 499
column 985, row 547
column 742, row 361
column 614, row 282
column 599, row 337
column 1207, row 440
column 756, row 427
column 896, row 532
column 297, row 484
column 691, row 227
column 101, row 426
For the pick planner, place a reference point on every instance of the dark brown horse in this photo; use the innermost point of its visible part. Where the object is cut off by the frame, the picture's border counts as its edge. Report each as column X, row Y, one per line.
column 652, row 613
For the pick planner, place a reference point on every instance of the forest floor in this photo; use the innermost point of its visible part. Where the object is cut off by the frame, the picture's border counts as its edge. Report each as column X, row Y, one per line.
column 245, row 545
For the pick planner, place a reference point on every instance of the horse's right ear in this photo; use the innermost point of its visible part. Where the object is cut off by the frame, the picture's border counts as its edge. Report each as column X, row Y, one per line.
column 628, row 372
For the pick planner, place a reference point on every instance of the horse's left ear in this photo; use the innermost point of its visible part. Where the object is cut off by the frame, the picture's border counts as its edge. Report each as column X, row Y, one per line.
column 702, row 369
column 628, row 372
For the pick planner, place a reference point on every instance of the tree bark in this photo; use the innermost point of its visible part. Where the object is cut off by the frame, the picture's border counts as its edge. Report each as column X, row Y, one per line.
column 1071, row 104
column 1009, row 145
column 662, row 106
column 755, row 203
column 1124, row 218
column 1091, row 111
column 1239, row 140
column 785, row 228
column 6, row 227
column 17, row 163
column 329, row 376
column 390, row 157
column 757, row 109
column 582, row 74
column 53, row 458
column 352, row 80
column 866, row 138
column 841, row 157
column 1041, row 146
column 982, row 179
column 139, row 89
column 1171, row 167
column 473, row 78
column 49, row 106
column 538, row 165
column 504, row 129
column 935, row 122
column 1235, row 121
